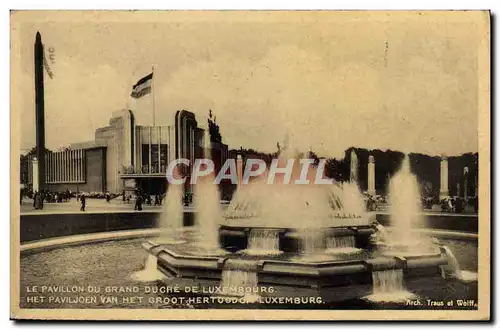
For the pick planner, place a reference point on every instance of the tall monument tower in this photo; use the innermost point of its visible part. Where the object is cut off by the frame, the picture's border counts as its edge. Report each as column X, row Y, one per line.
column 40, row 112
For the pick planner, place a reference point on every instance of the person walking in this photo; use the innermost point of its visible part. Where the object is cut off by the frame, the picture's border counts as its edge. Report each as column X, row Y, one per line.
column 35, row 200
column 138, row 203
column 82, row 200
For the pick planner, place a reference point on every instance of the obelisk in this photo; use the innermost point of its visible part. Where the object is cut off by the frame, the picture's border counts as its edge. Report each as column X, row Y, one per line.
column 40, row 112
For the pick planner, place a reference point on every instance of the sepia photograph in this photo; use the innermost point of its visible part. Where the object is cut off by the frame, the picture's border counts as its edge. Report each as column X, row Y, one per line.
column 250, row 165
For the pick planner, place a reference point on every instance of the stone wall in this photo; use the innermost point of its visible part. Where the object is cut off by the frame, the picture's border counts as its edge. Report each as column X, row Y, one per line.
column 95, row 178
column 42, row 226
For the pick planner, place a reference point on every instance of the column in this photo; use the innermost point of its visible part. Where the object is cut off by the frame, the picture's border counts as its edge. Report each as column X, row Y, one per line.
column 51, row 168
column 84, row 165
column 476, row 184
column 354, row 167
column 191, row 137
column 371, row 175
column 443, row 191
column 75, row 168
column 35, row 175
column 77, row 165
column 466, row 179
column 80, row 164
column 150, row 137
column 74, row 165
column 47, row 167
column 169, row 146
column 30, row 170
column 239, row 169
column 159, row 149
column 61, row 167
column 70, row 165
column 56, row 165
column 51, row 163
column 139, row 139
column 183, row 133
column 65, row 165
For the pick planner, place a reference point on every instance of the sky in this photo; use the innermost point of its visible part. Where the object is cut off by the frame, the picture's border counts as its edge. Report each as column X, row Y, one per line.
column 397, row 81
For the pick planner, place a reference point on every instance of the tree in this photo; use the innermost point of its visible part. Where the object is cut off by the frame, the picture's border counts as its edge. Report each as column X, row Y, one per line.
column 32, row 152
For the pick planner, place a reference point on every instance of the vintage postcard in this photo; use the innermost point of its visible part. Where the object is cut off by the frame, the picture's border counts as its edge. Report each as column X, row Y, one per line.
column 250, row 165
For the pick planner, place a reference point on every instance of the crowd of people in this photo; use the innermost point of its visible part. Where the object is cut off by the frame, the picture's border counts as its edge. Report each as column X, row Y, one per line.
column 143, row 198
column 373, row 203
column 45, row 196
column 458, row 204
column 453, row 204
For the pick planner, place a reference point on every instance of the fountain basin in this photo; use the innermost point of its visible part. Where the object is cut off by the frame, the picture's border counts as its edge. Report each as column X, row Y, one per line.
column 235, row 236
column 332, row 277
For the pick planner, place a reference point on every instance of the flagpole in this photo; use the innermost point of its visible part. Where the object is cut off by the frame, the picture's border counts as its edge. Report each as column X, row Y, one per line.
column 153, row 94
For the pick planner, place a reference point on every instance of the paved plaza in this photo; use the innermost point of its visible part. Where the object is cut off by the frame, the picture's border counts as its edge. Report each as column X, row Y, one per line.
column 93, row 205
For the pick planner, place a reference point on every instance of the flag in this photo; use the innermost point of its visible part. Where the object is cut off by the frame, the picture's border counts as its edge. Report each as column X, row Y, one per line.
column 142, row 87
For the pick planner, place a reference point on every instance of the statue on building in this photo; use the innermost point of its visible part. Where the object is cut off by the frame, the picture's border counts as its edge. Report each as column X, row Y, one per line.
column 213, row 128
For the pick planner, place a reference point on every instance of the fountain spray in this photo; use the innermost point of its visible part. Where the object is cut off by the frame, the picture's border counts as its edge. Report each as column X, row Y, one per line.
column 171, row 220
column 207, row 204
column 406, row 211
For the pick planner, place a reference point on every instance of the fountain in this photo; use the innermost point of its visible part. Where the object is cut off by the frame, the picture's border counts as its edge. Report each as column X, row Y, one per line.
column 406, row 210
column 304, row 240
column 453, row 268
column 388, row 286
column 171, row 221
column 342, row 245
column 150, row 272
column 240, row 283
column 263, row 242
column 406, row 217
column 208, row 211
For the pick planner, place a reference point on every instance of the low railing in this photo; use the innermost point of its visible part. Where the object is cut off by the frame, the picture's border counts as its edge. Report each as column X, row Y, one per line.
column 144, row 170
